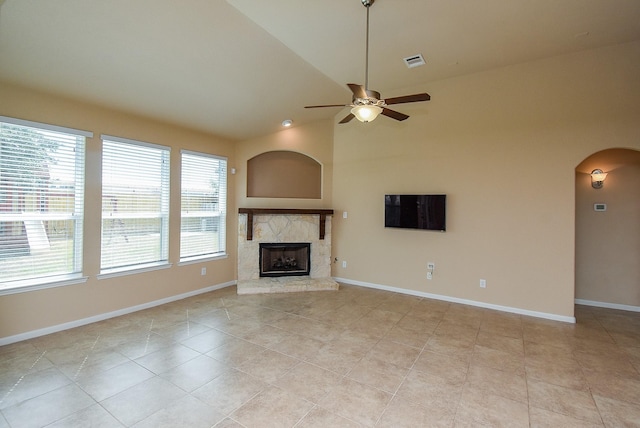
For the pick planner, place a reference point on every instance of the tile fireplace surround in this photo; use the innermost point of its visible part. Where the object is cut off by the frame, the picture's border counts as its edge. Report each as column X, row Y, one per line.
column 279, row 226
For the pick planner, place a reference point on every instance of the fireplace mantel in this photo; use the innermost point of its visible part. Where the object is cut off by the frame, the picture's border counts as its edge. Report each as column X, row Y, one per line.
column 250, row 212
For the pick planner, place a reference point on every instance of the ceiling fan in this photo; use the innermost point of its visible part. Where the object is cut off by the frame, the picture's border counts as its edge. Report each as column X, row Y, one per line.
column 366, row 104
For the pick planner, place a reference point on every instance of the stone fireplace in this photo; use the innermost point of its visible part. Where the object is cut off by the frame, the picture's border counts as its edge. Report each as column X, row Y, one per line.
column 284, row 230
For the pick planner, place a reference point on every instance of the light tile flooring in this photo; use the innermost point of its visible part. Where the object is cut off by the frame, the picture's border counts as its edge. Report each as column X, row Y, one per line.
column 355, row 357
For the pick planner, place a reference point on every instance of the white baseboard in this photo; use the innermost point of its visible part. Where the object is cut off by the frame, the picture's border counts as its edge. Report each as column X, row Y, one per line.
column 77, row 323
column 509, row 309
column 608, row 305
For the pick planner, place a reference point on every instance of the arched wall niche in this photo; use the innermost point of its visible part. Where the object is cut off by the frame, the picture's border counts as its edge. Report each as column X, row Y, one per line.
column 608, row 242
column 284, row 174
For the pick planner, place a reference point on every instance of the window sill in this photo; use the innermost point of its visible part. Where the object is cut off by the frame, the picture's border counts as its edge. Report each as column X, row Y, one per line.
column 201, row 259
column 38, row 284
column 112, row 273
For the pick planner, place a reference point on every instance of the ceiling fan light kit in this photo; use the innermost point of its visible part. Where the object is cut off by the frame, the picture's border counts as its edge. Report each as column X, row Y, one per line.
column 366, row 104
column 366, row 113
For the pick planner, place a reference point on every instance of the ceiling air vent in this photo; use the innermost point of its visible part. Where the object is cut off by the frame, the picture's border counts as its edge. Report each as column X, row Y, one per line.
column 414, row 61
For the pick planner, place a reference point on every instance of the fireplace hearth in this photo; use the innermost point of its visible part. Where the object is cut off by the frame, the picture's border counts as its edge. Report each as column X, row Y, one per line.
column 285, row 259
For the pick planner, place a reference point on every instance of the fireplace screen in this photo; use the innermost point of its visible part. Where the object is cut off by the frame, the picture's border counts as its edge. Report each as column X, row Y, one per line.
column 285, row 259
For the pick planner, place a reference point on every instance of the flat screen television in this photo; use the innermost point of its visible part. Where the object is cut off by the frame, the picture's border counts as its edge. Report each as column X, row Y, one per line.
column 427, row 212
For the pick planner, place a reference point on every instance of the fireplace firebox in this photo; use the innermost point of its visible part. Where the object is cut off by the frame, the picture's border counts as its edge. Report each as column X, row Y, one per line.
column 285, row 259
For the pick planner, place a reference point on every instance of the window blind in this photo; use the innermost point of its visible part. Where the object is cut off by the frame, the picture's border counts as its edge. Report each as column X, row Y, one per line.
column 41, row 202
column 203, row 206
column 135, row 204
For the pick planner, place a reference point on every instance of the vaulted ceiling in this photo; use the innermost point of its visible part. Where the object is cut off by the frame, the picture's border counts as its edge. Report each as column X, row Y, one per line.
column 237, row 68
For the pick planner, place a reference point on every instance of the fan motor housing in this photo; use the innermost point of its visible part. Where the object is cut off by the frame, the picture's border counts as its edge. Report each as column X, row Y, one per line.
column 372, row 94
column 373, row 98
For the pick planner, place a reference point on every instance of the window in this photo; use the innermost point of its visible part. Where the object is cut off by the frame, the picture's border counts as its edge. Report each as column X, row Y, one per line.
column 135, row 205
column 41, row 203
column 204, row 206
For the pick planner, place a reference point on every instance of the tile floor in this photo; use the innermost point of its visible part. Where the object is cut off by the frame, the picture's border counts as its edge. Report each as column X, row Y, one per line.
column 351, row 358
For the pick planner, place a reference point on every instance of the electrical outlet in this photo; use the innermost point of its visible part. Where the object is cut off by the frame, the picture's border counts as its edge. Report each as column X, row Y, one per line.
column 203, row 271
column 429, row 275
column 344, row 264
column 483, row 283
column 344, row 214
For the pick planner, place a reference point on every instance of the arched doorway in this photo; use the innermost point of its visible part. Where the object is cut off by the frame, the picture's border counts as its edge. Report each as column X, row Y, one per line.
column 608, row 231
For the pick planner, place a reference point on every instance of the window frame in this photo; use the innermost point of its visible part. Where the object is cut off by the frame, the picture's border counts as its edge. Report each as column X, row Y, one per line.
column 78, row 215
column 220, row 213
column 163, row 214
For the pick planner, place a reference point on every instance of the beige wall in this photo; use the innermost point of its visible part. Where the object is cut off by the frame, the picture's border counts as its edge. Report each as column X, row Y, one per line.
column 503, row 145
column 314, row 140
column 25, row 312
column 608, row 243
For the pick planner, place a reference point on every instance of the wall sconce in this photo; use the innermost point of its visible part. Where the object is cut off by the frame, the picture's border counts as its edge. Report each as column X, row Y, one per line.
column 597, row 178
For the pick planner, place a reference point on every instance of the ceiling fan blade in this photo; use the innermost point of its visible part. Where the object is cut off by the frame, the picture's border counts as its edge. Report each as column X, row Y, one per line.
column 358, row 90
column 394, row 114
column 347, row 118
column 408, row 99
column 329, row 105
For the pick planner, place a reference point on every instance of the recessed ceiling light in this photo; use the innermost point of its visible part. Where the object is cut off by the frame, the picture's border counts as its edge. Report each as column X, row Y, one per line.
column 287, row 123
